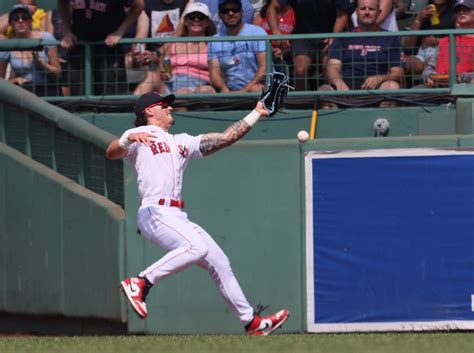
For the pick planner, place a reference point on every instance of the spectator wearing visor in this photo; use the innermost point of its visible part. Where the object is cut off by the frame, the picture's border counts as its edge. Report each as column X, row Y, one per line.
column 36, row 71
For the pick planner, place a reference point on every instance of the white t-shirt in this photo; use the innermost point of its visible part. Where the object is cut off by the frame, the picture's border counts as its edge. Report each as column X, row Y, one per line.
column 159, row 167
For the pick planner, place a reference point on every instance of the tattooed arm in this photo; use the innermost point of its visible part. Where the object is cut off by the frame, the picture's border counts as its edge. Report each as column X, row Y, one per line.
column 214, row 141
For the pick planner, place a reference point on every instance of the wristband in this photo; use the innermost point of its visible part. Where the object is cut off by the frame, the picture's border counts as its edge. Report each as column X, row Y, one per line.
column 252, row 118
column 124, row 142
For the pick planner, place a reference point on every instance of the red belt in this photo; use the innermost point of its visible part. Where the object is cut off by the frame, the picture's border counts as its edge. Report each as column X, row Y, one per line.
column 172, row 203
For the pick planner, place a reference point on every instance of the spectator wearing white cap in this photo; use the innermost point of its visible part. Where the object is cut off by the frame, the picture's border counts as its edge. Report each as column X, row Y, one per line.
column 189, row 66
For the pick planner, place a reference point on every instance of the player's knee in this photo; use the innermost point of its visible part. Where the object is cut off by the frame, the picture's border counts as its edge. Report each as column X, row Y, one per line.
column 199, row 251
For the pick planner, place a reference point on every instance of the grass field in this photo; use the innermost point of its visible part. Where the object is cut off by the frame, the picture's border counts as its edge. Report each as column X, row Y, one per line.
column 343, row 343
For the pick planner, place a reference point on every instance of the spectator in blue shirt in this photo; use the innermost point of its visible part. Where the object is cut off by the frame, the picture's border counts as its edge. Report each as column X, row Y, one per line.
column 368, row 62
column 37, row 71
column 236, row 66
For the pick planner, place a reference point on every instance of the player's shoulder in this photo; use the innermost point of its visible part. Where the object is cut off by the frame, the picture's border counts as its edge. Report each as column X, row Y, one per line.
column 182, row 135
column 148, row 128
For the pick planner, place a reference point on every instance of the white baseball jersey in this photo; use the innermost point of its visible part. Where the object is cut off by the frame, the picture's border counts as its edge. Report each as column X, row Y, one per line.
column 159, row 171
column 159, row 167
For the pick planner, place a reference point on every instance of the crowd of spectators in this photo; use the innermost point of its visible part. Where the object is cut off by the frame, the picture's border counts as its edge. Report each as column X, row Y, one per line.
column 182, row 67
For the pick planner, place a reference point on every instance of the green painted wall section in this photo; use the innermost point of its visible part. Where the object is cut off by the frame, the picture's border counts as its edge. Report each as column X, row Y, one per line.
column 232, row 195
column 5, row 5
column 59, row 140
column 408, row 121
column 62, row 246
column 250, row 198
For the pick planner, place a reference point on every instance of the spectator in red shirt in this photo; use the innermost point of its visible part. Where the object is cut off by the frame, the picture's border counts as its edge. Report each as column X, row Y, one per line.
column 286, row 25
column 436, row 73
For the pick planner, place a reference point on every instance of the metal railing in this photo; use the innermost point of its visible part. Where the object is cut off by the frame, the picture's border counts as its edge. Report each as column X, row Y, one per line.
column 90, row 49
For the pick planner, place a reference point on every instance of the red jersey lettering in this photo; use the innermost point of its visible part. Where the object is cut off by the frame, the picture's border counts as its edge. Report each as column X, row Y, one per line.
column 183, row 151
column 159, row 147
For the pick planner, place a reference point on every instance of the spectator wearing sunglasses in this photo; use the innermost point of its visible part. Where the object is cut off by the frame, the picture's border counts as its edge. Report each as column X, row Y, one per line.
column 38, row 19
column 33, row 70
column 190, row 70
column 248, row 11
column 237, row 66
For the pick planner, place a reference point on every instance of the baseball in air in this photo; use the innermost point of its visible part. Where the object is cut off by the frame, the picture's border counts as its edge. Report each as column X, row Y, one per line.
column 302, row 136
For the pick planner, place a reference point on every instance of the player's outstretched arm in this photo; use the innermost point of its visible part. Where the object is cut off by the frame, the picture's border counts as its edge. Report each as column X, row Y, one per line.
column 215, row 141
column 118, row 148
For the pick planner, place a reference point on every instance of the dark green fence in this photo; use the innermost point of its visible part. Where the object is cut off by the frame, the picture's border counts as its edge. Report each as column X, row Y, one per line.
column 59, row 140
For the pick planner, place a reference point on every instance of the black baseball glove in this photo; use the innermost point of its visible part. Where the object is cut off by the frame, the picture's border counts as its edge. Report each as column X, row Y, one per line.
column 273, row 96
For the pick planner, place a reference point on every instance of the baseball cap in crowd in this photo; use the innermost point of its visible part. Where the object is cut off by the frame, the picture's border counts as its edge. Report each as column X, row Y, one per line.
column 151, row 98
column 19, row 8
column 223, row 2
column 467, row 3
column 197, row 7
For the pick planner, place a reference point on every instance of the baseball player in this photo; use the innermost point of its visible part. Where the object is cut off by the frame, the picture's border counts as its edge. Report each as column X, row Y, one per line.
column 159, row 160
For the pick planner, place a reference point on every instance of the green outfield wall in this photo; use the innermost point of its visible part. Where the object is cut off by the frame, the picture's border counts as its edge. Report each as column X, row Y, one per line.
column 249, row 197
column 62, row 246
column 5, row 5
column 347, row 123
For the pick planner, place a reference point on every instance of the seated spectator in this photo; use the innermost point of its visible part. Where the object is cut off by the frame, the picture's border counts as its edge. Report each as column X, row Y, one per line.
column 236, row 66
column 96, row 21
column 367, row 62
column 387, row 18
column 37, row 71
column 436, row 73
column 428, row 45
column 286, row 25
column 159, row 19
column 38, row 19
column 312, row 16
column 190, row 70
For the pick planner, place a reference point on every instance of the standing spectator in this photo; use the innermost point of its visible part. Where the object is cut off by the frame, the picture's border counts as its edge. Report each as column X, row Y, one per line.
column 190, row 69
column 312, row 16
column 428, row 45
column 366, row 62
column 286, row 20
column 36, row 71
column 237, row 66
column 54, row 26
column 104, row 20
column 159, row 19
column 38, row 18
column 464, row 19
column 286, row 25
column 387, row 18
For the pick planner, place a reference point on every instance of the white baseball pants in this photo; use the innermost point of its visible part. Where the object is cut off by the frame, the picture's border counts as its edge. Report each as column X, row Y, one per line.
column 188, row 244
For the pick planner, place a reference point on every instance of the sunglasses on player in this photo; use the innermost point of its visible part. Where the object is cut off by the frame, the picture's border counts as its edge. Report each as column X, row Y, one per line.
column 228, row 10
